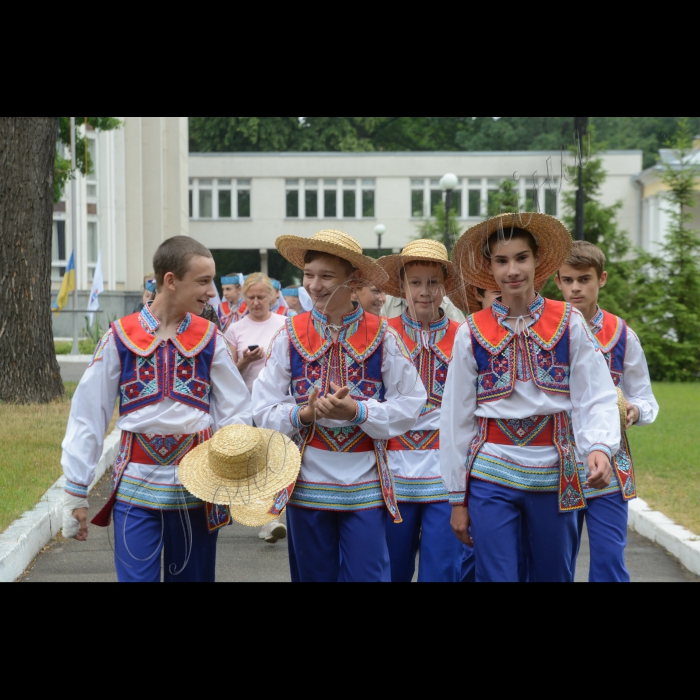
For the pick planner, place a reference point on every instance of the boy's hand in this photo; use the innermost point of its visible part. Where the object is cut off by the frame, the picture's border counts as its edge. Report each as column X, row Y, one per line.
column 337, row 406
column 81, row 515
column 460, row 525
column 600, row 469
column 633, row 415
column 308, row 414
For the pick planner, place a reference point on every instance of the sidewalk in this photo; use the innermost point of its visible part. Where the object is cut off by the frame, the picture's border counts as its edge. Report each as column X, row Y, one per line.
column 243, row 558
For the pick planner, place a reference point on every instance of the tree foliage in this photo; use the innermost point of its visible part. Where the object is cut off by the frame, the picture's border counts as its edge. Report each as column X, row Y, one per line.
column 242, row 134
column 83, row 160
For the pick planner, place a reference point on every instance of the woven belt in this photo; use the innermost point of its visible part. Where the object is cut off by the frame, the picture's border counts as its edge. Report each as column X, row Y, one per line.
column 359, row 443
column 416, row 440
column 537, row 431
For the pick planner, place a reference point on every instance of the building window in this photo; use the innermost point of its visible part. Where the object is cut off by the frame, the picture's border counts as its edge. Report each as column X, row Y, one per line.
column 327, row 199
column 92, row 191
column 219, row 199
column 59, row 258
column 93, row 247
column 426, row 195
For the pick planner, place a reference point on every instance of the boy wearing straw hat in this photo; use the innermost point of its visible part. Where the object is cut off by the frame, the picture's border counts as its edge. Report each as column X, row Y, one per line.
column 580, row 279
column 176, row 382
column 341, row 382
column 422, row 275
column 526, row 377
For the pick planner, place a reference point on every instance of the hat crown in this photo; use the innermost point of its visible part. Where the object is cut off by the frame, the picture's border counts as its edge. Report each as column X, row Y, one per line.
column 339, row 238
column 425, row 248
column 233, row 452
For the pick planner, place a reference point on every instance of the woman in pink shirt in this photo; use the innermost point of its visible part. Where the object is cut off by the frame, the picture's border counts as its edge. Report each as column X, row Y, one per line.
column 251, row 336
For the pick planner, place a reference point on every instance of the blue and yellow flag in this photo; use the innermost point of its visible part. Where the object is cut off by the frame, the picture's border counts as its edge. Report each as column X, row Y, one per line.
column 67, row 287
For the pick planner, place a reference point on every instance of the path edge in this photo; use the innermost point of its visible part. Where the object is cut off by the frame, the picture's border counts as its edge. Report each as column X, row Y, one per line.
column 21, row 543
column 681, row 543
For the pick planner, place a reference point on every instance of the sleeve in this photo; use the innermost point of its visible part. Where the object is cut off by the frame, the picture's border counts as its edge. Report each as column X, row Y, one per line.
column 90, row 415
column 458, row 422
column 230, row 399
column 404, row 399
column 637, row 382
column 453, row 312
column 595, row 413
column 274, row 408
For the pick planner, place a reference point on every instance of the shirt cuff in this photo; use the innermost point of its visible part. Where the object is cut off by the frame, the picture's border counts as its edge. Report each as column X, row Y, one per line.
column 599, row 447
column 295, row 419
column 458, row 499
column 362, row 414
column 77, row 490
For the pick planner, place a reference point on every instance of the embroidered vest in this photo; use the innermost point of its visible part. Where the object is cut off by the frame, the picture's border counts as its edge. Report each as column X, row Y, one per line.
column 433, row 364
column 542, row 354
column 612, row 338
column 153, row 370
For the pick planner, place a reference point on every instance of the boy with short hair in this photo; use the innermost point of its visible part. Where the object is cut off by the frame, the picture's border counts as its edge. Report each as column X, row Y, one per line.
column 423, row 275
column 176, row 383
column 342, row 383
column 521, row 369
column 233, row 308
column 580, row 280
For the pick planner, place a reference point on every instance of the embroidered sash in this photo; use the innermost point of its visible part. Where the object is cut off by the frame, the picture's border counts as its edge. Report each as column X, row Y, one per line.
column 416, row 440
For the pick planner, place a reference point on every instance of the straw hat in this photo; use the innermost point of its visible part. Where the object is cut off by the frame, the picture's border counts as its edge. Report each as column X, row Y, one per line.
column 553, row 237
column 423, row 250
column 332, row 242
column 244, row 468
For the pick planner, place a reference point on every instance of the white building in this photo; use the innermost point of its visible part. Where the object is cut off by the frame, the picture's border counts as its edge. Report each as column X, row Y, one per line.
column 136, row 198
column 246, row 200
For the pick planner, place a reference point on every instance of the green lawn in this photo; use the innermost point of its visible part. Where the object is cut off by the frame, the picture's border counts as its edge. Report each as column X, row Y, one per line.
column 86, row 347
column 30, row 461
column 667, row 455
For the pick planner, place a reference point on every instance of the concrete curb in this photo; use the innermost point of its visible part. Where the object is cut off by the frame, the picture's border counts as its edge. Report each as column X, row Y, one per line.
column 25, row 538
column 74, row 359
column 681, row 543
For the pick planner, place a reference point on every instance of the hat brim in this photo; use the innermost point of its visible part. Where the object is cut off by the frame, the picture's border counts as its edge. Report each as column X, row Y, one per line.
column 282, row 461
column 554, row 239
column 294, row 250
column 393, row 264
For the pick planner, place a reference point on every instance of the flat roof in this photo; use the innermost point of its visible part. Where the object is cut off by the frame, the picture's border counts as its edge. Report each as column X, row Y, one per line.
column 383, row 154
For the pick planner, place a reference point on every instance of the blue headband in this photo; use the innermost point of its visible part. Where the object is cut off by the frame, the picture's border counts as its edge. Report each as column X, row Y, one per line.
column 291, row 293
column 151, row 286
column 225, row 281
column 277, row 285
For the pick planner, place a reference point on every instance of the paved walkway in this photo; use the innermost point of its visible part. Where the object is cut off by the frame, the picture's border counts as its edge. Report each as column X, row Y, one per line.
column 243, row 558
column 72, row 371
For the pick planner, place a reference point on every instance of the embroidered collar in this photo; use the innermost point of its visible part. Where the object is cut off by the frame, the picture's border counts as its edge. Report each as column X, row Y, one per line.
column 501, row 312
column 597, row 321
column 432, row 339
column 348, row 320
column 151, row 324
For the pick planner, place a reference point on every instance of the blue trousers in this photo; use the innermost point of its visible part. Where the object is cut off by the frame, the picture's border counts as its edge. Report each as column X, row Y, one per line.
column 607, row 518
column 338, row 547
column 468, row 565
column 181, row 538
column 426, row 527
column 501, row 516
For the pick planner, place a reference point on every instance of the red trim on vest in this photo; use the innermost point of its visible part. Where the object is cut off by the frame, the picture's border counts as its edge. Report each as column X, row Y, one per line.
column 446, row 345
column 610, row 334
column 549, row 325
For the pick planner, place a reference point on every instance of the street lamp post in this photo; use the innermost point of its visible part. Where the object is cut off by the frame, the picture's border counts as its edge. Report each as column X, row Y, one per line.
column 581, row 128
column 448, row 185
column 379, row 230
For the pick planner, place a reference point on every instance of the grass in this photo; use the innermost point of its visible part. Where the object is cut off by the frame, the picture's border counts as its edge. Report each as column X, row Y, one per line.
column 666, row 455
column 86, row 347
column 30, row 461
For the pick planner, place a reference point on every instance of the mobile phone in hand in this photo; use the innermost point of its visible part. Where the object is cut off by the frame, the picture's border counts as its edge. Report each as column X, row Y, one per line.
column 253, row 348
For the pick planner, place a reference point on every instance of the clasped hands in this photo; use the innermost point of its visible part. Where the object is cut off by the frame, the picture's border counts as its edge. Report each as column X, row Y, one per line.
column 336, row 406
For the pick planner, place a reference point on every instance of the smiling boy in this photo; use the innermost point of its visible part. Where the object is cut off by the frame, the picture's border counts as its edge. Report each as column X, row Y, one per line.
column 423, row 275
column 519, row 370
column 580, row 279
column 341, row 383
column 176, row 383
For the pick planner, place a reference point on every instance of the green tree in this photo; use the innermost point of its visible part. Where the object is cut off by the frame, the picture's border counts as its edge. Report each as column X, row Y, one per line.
column 83, row 161
column 671, row 329
column 506, row 200
column 245, row 134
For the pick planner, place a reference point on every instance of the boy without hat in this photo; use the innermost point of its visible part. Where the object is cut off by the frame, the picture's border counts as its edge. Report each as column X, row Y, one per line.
column 176, row 383
column 421, row 275
column 520, row 369
column 580, row 279
column 341, row 382
column 233, row 308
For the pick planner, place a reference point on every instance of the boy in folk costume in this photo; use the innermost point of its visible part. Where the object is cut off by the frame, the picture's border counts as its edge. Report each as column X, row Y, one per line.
column 233, row 308
column 342, row 382
column 520, row 370
column 291, row 296
column 279, row 302
column 422, row 275
column 580, row 279
column 176, row 382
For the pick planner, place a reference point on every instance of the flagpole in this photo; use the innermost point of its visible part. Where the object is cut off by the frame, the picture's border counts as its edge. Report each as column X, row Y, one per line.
column 74, row 230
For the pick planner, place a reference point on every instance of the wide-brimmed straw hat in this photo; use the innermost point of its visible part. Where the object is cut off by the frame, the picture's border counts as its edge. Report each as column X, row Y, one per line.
column 332, row 242
column 553, row 237
column 243, row 468
column 423, row 250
